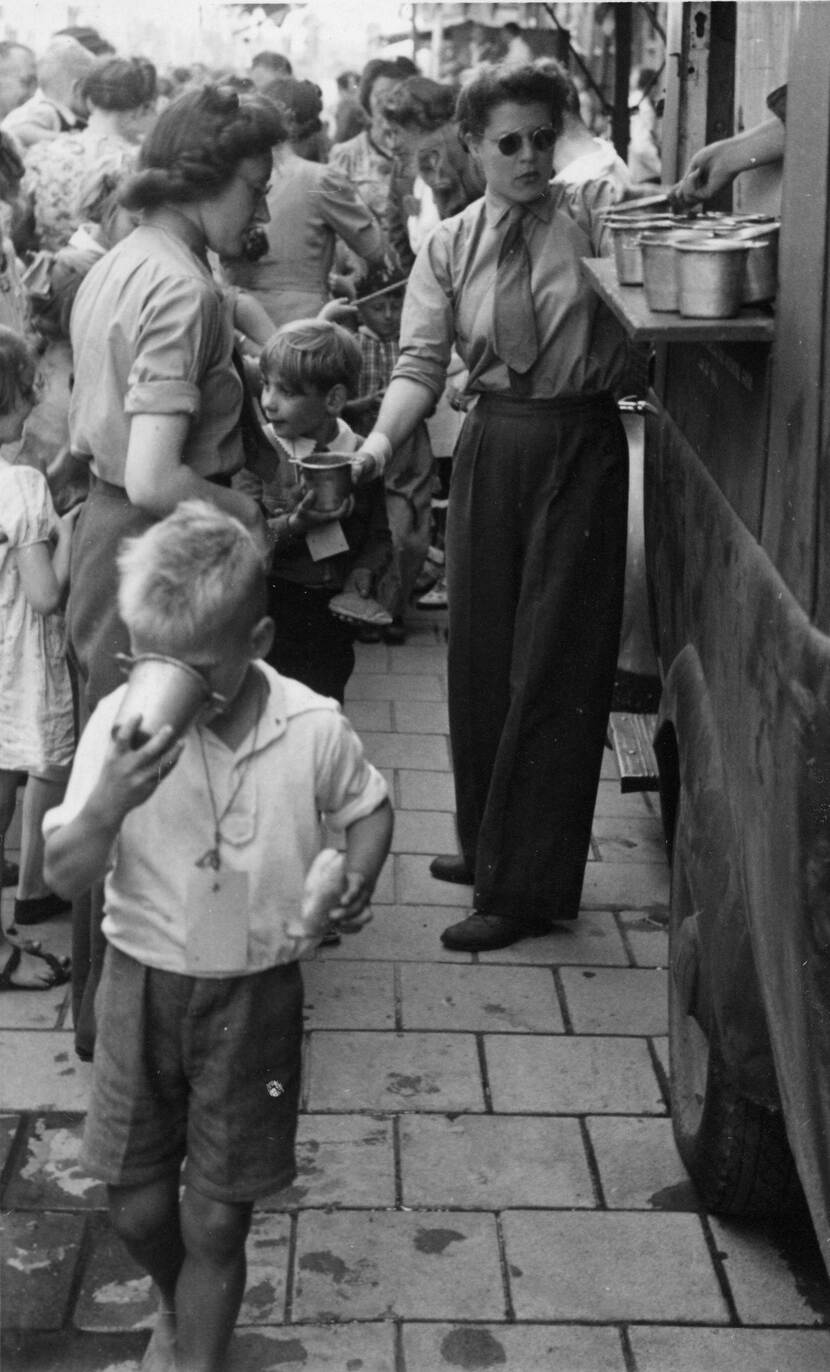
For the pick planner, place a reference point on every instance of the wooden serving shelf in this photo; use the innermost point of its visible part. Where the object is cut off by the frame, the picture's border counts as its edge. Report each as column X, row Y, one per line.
column 628, row 303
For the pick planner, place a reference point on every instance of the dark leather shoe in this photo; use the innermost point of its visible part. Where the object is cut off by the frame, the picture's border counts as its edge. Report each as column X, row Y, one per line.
column 481, row 933
column 38, row 908
column 450, row 867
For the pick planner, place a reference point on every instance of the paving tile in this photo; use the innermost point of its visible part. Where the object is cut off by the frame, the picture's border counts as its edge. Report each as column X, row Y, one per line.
column 116, row 1294
column 419, row 790
column 420, row 717
column 370, row 714
column 48, row 1175
column 592, row 940
column 424, row 831
column 630, row 838
column 491, row 999
column 381, row 1265
column 415, row 886
column 612, row 801
column 515, row 1348
column 402, row 686
column 647, row 935
column 493, row 1162
column 565, row 1076
column 400, row 933
column 68, row 1351
column 371, row 657
column 625, row 885
column 639, row 1166
column 345, row 1161
column 609, row 770
column 39, row 1071
column 775, row 1272
column 616, row 1000
column 349, row 995
column 430, row 751
column 267, row 1255
column 672, row 1349
column 393, row 1072
column 424, row 657
column 34, row 1009
column 602, row 1266
column 40, row 1253
column 368, row 1347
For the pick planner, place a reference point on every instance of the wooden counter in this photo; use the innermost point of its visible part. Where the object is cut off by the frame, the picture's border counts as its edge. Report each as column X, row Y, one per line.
column 628, row 303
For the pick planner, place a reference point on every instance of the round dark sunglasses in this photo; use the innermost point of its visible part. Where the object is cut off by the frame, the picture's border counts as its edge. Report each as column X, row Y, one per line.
column 541, row 140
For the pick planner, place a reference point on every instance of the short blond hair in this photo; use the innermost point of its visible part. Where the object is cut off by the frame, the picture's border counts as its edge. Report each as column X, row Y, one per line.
column 198, row 569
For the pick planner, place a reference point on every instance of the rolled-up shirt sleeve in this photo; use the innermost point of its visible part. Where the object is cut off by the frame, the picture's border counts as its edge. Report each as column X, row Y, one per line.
column 428, row 319
column 178, row 330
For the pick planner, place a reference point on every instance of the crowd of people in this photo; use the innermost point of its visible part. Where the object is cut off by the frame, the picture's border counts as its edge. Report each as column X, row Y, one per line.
column 205, row 288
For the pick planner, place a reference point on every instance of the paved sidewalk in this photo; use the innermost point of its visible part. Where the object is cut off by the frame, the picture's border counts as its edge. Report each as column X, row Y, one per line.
column 487, row 1174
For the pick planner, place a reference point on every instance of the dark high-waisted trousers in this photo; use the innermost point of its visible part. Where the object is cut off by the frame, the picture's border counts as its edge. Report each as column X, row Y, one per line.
column 96, row 635
column 536, row 533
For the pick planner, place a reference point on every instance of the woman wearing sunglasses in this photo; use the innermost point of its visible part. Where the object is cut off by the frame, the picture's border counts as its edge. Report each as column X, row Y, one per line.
column 537, row 516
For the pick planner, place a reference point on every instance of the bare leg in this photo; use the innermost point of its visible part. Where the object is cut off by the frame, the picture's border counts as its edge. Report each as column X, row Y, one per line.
column 39, row 796
column 33, row 973
column 147, row 1219
column 211, row 1282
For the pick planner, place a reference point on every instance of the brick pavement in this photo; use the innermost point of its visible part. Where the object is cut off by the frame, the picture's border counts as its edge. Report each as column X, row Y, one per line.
column 486, row 1170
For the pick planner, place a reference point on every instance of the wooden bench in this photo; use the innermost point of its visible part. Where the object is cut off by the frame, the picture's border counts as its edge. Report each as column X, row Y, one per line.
column 631, row 738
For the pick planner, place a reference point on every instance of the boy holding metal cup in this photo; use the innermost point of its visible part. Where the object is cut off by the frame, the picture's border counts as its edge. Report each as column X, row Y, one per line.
column 328, row 560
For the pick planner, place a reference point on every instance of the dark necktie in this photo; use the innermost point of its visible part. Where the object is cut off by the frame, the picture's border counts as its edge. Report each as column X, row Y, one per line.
column 514, row 322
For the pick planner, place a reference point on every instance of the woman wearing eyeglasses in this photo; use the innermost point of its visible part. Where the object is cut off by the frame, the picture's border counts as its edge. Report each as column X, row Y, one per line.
column 156, row 402
column 537, row 516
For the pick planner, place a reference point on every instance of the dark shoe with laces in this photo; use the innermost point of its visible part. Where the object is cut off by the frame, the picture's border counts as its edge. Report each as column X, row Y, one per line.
column 483, row 933
column 451, row 867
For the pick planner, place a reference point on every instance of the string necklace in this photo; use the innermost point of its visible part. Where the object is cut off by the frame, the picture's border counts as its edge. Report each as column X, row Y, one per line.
column 212, row 857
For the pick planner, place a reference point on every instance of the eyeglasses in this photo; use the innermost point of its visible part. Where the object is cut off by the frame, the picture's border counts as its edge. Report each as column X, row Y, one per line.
column 540, row 140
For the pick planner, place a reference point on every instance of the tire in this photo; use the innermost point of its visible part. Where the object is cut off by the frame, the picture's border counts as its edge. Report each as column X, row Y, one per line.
column 735, row 1150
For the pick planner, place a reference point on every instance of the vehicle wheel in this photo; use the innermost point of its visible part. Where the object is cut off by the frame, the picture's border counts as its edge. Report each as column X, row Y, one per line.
column 735, row 1150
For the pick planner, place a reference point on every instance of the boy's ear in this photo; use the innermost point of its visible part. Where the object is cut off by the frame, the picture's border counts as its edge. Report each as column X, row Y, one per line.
column 262, row 636
column 336, row 398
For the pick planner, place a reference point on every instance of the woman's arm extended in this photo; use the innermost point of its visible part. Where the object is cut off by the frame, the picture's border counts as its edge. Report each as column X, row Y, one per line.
column 404, row 405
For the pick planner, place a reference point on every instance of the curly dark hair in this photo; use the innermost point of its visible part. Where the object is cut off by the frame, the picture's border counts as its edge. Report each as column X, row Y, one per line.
column 18, row 370
column 196, row 145
column 500, row 85
column 397, row 68
column 120, row 83
column 420, row 103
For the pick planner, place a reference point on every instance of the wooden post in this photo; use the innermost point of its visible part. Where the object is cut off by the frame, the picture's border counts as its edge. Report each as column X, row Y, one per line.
column 622, row 72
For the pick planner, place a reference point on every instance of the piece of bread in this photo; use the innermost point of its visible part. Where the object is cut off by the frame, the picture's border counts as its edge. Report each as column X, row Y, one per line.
column 322, row 891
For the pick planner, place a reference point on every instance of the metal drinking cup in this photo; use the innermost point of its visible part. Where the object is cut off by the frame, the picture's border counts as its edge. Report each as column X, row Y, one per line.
column 330, row 477
column 162, row 691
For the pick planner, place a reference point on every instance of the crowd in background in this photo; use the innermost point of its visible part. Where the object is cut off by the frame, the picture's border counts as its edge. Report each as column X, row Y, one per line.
column 349, row 196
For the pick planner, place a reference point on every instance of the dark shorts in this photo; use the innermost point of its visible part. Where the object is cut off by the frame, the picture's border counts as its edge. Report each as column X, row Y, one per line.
column 197, row 1070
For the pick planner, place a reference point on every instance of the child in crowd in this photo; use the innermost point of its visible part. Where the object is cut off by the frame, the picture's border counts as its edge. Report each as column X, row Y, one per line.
column 408, row 476
column 206, row 843
column 36, row 728
column 321, row 561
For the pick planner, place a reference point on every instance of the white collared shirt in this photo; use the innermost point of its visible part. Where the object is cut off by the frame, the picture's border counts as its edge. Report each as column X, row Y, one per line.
column 306, row 764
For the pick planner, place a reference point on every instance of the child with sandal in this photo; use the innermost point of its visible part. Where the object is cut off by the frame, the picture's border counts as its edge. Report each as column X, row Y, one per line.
column 206, row 843
column 36, row 724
